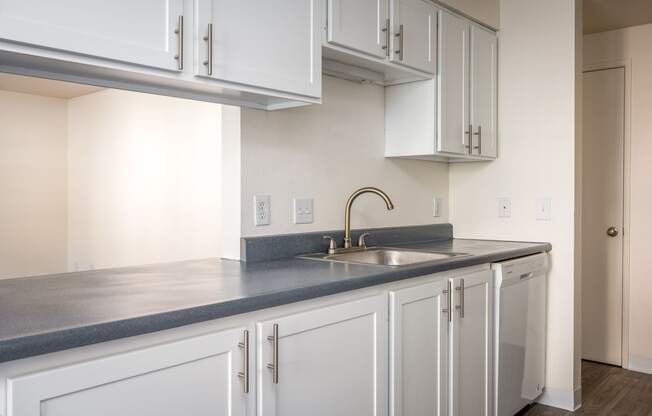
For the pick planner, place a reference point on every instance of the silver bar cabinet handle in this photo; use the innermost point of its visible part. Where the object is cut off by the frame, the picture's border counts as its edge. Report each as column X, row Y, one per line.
column 274, row 364
column 399, row 35
column 460, row 307
column 479, row 134
column 468, row 133
column 244, row 375
column 387, row 35
column 208, row 63
column 179, row 32
column 449, row 302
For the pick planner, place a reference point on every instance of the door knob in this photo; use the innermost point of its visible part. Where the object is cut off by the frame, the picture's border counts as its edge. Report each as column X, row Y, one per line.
column 612, row 231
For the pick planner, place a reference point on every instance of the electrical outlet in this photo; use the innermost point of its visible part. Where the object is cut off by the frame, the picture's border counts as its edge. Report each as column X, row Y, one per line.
column 262, row 214
column 303, row 210
column 504, row 208
column 436, row 207
column 543, row 209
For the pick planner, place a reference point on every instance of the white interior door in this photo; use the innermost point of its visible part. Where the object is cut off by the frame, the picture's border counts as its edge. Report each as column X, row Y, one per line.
column 419, row 350
column 268, row 44
column 602, row 202
column 330, row 361
column 484, row 91
column 471, row 348
column 139, row 32
column 359, row 25
column 415, row 23
column 453, row 84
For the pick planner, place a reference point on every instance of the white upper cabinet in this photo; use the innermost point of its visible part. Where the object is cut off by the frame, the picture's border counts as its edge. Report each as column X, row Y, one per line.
column 360, row 25
column 453, row 117
column 484, row 79
column 197, row 376
column 141, row 32
column 419, row 350
column 414, row 37
column 471, row 347
column 453, row 84
column 325, row 362
column 268, row 44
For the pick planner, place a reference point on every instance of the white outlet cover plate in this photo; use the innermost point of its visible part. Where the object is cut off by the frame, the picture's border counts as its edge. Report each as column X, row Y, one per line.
column 262, row 210
column 303, row 210
column 436, row 207
column 504, row 208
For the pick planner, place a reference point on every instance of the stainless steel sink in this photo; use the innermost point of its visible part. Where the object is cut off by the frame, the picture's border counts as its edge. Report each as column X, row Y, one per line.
column 385, row 256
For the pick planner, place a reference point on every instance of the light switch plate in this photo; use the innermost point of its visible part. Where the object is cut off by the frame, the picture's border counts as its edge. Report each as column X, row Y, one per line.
column 262, row 212
column 544, row 208
column 504, row 208
column 436, row 207
column 303, row 210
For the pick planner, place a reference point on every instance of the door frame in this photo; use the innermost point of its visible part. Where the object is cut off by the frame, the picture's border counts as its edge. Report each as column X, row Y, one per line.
column 626, row 64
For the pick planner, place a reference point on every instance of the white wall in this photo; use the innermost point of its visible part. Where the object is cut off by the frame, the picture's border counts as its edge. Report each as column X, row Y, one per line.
column 486, row 11
column 536, row 159
column 33, row 220
column 144, row 179
column 326, row 152
column 612, row 48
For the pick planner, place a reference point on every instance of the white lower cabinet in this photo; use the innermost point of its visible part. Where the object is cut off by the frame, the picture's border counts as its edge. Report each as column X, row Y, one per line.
column 440, row 361
column 419, row 350
column 196, row 376
column 471, row 346
column 368, row 354
column 324, row 362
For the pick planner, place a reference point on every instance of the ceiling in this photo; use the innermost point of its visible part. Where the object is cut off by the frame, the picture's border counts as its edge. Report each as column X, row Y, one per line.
column 44, row 87
column 602, row 15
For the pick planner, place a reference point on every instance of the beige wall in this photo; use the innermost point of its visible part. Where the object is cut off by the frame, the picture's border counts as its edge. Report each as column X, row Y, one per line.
column 326, row 152
column 32, row 184
column 536, row 160
column 144, row 179
column 632, row 45
column 486, row 11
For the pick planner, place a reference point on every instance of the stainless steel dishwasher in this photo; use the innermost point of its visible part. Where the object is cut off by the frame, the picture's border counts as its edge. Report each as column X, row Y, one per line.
column 519, row 332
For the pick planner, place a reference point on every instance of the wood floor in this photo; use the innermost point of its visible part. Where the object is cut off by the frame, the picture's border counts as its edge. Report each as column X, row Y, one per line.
column 608, row 391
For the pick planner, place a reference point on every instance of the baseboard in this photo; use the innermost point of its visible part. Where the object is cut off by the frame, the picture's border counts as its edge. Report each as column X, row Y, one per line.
column 562, row 399
column 640, row 364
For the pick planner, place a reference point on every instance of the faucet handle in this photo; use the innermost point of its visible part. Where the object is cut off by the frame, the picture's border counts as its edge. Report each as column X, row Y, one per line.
column 332, row 246
column 361, row 242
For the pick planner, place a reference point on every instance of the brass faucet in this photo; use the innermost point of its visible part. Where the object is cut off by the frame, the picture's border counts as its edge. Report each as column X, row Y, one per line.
column 349, row 203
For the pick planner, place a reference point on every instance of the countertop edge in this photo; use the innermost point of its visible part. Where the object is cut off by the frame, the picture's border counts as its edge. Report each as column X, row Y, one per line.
column 60, row 340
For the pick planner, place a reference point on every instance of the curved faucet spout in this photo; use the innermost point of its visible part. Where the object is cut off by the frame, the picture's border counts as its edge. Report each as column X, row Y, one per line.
column 349, row 203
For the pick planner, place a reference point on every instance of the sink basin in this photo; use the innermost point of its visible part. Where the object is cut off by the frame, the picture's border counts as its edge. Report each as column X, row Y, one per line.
column 383, row 256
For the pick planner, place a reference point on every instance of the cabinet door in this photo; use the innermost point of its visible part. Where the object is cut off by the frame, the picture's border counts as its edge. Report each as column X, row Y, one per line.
column 268, row 44
column 330, row 361
column 453, row 84
column 141, row 32
column 471, row 347
column 484, row 66
column 198, row 376
column 419, row 350
column 415, row 34
column 359, row 25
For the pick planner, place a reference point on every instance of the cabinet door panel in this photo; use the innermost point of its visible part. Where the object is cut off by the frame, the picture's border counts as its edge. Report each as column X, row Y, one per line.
column 471, row 346
column 196, row 376
column 484, row 66
column 453, row 84
column 419, row 350
column 419, row 20
column 139, row 32
column 268, row 44
column 358, row 25
column 331, row 361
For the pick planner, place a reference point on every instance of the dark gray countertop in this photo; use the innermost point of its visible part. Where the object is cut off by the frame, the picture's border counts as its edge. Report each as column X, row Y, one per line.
column 51, row 313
